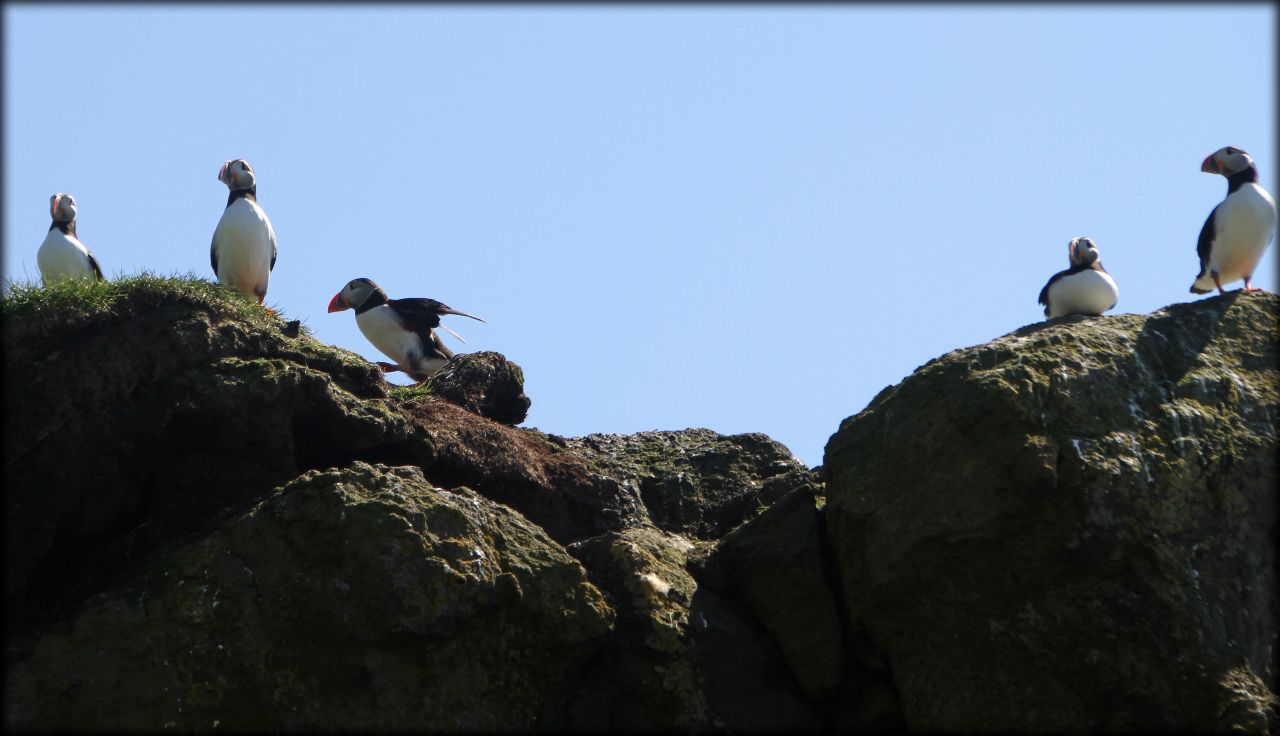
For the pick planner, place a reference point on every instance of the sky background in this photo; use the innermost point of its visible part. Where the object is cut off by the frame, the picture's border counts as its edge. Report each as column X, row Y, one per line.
column 748, row 218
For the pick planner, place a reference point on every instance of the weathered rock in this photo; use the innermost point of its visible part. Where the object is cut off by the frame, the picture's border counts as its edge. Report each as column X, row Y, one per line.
column 485, row 383
column 648, row 676
column 1073, row 527
column 776, row 565
column 682, row 657
column 350, row 599
column 137, row 410
column 697, row 482
column 527, row 470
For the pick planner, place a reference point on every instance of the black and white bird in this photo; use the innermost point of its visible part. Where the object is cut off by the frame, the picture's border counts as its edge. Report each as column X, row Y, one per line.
column 62, row 255
column 1085, row 288
column 400, row 328
column 244, row 244
column 1239, row 229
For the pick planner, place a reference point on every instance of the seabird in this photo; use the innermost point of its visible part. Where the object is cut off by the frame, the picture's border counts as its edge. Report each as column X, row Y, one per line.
column 1239, row 229
column 62, row 255
column 244, row 244
column 400, row 328
column 1085, row 288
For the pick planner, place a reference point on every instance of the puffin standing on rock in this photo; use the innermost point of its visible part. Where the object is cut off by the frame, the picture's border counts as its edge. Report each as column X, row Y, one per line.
column 400, row 328
column 1239, row 229
column 244, row 244
column 1085, row 288
column 62, row 255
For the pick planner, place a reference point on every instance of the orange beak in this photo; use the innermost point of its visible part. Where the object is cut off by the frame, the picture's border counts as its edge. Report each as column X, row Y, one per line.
column 336, row 304
column 1210, row 166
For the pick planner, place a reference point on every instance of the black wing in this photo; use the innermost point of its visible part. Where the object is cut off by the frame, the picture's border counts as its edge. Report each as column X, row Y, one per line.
column 424, row 311
column 1206, row 241
column 272, row 233
column 213, row 253
column 418, row 315
column 437, row 346
column 1044, row 293
column 93, row 263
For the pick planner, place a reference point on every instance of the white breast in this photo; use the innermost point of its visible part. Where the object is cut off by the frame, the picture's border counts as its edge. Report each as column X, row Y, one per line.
column 381, row 328
column 62, row 256
column 1244, row 225
column 1088, row 292
column 243, row 242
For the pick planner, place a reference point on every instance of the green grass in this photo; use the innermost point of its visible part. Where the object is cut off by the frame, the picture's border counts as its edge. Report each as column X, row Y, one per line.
column 29, row 309
column 411, row 392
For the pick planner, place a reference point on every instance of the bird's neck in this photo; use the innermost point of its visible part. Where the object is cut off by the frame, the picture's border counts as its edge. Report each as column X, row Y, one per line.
column 376, row 299
column 1242, row 177
column 68, row 227
column 250, row 194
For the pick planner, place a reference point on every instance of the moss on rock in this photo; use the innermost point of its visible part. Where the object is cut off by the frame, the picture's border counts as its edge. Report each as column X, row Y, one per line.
column 1071, row 527
column 695, row 481
column 356, row 598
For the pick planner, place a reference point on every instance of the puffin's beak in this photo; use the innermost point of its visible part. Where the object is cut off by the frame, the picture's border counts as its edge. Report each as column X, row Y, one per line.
column 336, row 304
column 1210, row 166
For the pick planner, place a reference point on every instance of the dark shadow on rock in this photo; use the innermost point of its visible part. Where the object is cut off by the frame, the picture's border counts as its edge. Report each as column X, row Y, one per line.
column 1172, row 339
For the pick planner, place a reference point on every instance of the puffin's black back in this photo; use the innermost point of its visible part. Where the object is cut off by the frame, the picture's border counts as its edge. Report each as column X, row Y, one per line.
column 419, row 316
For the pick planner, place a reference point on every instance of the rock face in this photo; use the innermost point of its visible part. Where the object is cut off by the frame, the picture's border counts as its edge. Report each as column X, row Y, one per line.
column 340, row 600
column 485, row 383
column 214, row 521
column 1073, row 527
column 128, row 425
column 695, row 481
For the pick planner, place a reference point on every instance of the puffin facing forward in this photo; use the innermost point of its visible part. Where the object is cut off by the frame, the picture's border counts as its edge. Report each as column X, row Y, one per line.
column 62, row 255
column 400, row 328
column 244, row 244
column 1239, row 229
column 1085, row 288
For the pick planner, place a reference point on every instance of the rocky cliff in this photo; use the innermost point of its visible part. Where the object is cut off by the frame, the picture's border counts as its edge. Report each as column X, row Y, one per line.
column 214, row 521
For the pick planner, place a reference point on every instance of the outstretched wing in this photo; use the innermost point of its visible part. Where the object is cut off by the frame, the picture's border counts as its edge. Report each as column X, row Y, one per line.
column 422, row 315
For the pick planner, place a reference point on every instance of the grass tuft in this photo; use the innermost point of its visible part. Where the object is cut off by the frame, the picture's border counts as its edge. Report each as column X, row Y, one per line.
column 404, row 393
column 30, row 310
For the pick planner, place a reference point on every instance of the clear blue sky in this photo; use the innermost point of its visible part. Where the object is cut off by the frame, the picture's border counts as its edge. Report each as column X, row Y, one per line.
column 747, row 218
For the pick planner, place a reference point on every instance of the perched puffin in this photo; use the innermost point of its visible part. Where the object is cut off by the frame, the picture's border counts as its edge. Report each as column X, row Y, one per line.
column 1085, row 288
column 62, row 255
column 400, row 328
column 1239, row 229
column 244, row 244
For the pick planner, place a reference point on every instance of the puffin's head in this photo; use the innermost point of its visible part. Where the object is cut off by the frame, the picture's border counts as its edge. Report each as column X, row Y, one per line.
column 355, row 293
column 63, row 207
column 237, row 174
column 1226, row 161
column 1082, row 251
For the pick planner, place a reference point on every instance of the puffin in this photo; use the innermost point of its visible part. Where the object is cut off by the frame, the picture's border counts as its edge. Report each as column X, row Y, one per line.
column 1084, row 288
column 243, row 251
column 1239, row 229
column 400, row 328
column 62, row 255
